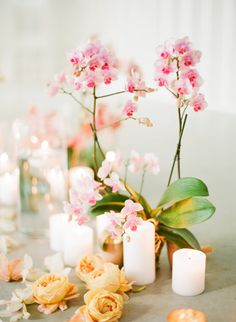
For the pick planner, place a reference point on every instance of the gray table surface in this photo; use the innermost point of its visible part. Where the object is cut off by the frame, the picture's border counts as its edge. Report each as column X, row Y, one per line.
column 214, row 160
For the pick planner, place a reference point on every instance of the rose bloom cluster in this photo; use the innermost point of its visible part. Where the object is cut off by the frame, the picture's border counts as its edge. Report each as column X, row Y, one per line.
column 175, row 69
column 107, row 290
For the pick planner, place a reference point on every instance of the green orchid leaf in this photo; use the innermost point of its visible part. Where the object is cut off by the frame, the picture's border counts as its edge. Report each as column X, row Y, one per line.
column 109, row 202
column 187, row 212
column 139, row 198
column 182, row 237
column 183, row 189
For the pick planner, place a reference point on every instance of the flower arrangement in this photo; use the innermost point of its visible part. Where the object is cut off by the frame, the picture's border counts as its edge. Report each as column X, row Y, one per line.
column 184, row 201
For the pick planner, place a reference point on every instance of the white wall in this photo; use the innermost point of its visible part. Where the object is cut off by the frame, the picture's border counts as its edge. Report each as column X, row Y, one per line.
column 35, row 36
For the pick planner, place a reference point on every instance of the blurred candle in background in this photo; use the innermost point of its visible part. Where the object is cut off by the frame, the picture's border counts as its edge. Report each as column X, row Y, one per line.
column 188, row 272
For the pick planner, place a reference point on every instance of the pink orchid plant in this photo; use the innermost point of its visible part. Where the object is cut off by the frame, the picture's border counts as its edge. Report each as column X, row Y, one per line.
column 183, row 203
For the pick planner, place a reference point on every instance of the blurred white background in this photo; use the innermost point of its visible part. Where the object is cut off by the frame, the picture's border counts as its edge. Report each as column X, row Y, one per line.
column 37, row 34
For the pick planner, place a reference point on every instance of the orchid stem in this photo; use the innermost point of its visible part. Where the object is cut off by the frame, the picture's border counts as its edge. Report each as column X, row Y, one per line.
column 177, row 149
column 76, row 100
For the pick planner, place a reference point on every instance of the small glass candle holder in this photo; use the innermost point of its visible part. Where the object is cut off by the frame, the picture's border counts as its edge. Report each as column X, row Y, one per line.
column 42, row 159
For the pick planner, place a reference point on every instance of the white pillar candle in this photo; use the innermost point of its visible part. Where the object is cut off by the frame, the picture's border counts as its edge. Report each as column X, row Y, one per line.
column 78, row 173
column 78, row 243
column 57, row 229
column 9, row 188
column 102, row 223
column 139, row 254
column 188, row 272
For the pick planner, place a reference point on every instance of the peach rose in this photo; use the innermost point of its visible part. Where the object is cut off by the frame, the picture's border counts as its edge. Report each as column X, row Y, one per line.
column 87, row 265
column 101, row 305
column 10, row 270
column 52, row 291
column 110, row 278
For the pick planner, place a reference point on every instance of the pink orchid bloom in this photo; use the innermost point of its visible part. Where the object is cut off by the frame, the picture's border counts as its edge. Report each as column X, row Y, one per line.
column 182, row 45
column 181, row 87
column 194, row 78
column 73, row 208
column 116, row 222
column 135, row 162
column 130, row 108
column 136, row 84
column 53, row 90
column 60, row 78
column 104, row 170
column 82, row 219
column 151, row 163
column 191, row 58
column 132, row 222
column 198, row 102
column 131, row 208
column 114, row 182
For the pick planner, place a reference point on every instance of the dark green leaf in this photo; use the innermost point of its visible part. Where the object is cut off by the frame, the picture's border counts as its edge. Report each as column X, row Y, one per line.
column 183, row 189
column 180, row 236
column 187, row 212
column 109, row 202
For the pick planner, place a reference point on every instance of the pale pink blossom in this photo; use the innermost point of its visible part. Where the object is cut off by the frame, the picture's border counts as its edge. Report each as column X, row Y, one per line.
column 181, row 87
column 166, row 50
column 53, row 90
column 198, row 102
column 191, row 58
column 116, row 224
column 151, row 163
column 182, row 45
column 135, row 162
column 81, row 219
column 104, row 170
column 60, row 78
column 194, row 78
column 114, row 182
column 131, row 208
column 135, row 84
column 130, row 108
column 132, row 222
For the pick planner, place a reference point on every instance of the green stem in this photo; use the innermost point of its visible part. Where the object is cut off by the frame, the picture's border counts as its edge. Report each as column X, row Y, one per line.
column 142, row 182
column 94, row 131
column 180, row 131
column 177, row 150
column 76, row 100
column 111, row 94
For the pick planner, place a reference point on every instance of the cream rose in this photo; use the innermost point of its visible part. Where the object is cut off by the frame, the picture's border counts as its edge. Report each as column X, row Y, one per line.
column 87, row 265
column 101, row 305
column 51, row 291
column 110, row 278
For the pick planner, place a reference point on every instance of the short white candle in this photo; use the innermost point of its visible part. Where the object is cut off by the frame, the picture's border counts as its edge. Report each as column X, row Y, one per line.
column 78, row 173
column 57, row 229
column 78, row 243
column 139, row 254
column 188, row 272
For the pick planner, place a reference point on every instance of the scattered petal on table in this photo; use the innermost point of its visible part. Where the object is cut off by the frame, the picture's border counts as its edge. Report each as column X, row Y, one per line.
column 15, row 308
column 7, row 244
column 28, row 272
column 10, row 270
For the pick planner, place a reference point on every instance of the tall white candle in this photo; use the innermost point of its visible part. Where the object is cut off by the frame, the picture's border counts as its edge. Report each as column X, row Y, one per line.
column 57, row 229
column 9, row 188
column 188, row 272
column 139, row 254
column 78, row 243
column 78, row 173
